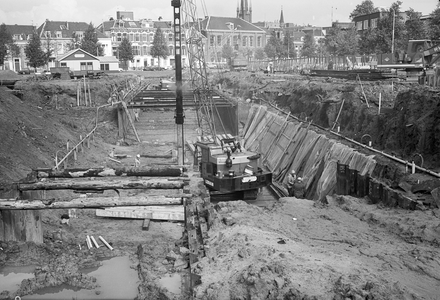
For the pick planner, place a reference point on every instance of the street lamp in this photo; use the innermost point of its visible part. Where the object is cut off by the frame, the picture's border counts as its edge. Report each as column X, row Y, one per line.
column 392, row 37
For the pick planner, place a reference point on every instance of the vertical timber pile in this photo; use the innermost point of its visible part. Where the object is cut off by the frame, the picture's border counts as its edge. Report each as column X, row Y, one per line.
column 179, row 96
column 24, row 225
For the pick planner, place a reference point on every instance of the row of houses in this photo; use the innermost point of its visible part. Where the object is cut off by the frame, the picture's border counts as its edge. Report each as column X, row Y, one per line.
column 239, row 32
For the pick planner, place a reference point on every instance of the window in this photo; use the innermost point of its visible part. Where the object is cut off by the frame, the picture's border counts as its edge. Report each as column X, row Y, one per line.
column 365, row 24
column 170, row 37
column 244, row 41
column 63, row 64
column 144, row 50
column 359, row 25
column 374, row 23
column 219, row 40
column 144, row 37
column 259, row 41
column 89, row 66
column 105, row 67
column 137, row 37
column 151, row 37
column 47, row 34
column 171, row 50
column 251, row 41
column 136, row 50
column 119, row 36
column 235, row 40
column 83, row 66
column 131, row 37
column 59, row 35
column 211, row 40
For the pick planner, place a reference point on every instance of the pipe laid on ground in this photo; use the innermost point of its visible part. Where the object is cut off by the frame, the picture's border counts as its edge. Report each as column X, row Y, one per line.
column 105, row 242
column 94, row 241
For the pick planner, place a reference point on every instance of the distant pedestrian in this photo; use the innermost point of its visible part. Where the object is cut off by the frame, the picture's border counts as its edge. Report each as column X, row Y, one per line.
column 290, row 182
column 137, row 161
column 136, row 115
column 299, row 188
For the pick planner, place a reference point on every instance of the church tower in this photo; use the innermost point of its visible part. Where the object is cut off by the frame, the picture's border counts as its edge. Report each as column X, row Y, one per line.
column 244, row 11
column 282, row 18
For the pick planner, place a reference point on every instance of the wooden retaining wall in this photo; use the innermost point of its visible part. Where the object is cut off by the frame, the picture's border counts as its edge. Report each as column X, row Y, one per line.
column 350, row 182
column 287, row 145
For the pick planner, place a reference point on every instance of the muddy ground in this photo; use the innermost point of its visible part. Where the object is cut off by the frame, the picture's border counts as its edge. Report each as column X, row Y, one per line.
column 291, row 249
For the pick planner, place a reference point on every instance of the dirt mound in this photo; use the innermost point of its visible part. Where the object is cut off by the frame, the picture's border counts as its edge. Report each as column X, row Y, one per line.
column 300, row 250
column 9, row 75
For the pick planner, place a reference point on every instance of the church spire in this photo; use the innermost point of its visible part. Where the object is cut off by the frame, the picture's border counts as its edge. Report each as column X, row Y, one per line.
column 281, row 18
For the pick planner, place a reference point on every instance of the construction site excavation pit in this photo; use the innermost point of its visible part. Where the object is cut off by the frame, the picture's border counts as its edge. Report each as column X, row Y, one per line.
column 368, row 228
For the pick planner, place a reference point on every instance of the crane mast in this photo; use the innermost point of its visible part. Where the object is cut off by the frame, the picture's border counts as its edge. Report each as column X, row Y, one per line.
column 198, row 75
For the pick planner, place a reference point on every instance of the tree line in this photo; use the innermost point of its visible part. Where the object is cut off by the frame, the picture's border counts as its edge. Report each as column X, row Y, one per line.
column 38, row 50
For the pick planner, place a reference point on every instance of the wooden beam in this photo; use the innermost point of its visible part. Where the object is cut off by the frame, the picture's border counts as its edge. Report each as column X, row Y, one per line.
column 146, row 224
column 153, row 171
column 102, row 184
column 94, row 202
column 154, row 213
column 124, row 105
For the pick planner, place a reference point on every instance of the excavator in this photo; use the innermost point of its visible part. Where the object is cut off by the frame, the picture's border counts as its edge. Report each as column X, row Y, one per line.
column 414, row 63
column 229, row 171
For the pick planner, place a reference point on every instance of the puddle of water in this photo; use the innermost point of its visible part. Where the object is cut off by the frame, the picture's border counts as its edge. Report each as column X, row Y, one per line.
column 11, row 277
column 172, row 283
column 116, row 280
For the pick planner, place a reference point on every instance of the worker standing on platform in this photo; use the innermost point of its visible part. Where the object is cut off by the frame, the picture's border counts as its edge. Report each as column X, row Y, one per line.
column 299, row 188
column 290, row 182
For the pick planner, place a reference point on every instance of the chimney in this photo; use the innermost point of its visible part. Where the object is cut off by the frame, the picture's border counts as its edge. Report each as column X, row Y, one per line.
column 67, row 25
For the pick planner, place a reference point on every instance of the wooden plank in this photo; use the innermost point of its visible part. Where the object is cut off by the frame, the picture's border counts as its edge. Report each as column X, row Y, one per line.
column 151, row 171
column 102, row 184
column 93, row 202
column 146, row 224
column 142, row 214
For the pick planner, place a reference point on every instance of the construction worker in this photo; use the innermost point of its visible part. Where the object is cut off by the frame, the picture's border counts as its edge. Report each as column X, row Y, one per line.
column 137, row 161
column 299, row 188
column 290, row 182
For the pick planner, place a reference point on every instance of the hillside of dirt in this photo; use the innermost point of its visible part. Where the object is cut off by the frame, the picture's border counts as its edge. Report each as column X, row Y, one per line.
column 292, row 249
column 399, row 118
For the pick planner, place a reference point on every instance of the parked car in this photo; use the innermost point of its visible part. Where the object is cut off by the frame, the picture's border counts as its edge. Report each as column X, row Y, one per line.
column 26, row 71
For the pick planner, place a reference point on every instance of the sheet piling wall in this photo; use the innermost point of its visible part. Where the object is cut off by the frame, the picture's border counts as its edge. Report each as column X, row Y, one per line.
column 290, row 145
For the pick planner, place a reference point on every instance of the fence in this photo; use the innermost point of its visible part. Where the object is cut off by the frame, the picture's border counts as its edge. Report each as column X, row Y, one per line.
column 318, row 62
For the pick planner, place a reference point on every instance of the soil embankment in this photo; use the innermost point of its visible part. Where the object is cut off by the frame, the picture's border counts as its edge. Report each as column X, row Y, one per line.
column 293, row 249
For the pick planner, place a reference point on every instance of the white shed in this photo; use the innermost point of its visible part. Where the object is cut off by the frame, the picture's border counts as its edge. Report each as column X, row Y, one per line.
column 108, row 63
column 79, row 60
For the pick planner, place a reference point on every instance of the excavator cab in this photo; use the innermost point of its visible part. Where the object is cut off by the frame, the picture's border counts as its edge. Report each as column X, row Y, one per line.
column 231, row 172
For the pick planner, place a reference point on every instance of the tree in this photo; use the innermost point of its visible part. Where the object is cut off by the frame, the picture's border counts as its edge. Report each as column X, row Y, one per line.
column 434, row 24
column 89, row 42
column 125, row 52
column 309, row 46
column 274, row 47
column 74, row 43
column 288, row 46
column 415, row 28
column 228, row 53
column 160, row 47
column 367, row 42
column 5, row 41
column 365, row 8
column 259, row 54
column 48, row 49
column 385, row 30
column 34, row 53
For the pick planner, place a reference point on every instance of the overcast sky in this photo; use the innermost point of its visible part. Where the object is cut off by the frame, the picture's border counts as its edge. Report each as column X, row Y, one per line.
column 313, row 12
